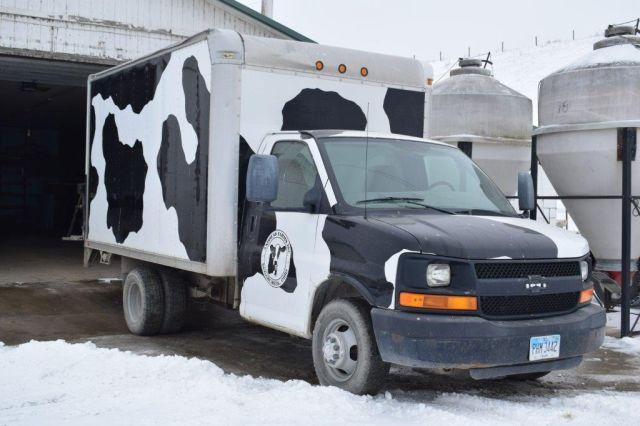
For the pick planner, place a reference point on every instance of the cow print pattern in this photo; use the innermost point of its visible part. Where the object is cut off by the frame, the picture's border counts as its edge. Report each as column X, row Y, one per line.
column 360, row 248
column 93, row 172
column 245, row 153
column 184, row 185
column 135, row 87
column 405, row 110
column 315, row 109
column 124, row 180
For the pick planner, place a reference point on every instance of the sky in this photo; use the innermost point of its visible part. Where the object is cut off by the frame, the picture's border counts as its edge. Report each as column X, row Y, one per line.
column 425, row 28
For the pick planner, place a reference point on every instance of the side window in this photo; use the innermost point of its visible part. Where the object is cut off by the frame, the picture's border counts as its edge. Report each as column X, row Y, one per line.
column 297, row 174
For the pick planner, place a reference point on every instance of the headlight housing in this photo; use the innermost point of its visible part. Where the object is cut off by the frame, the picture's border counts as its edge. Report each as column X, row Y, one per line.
column 584, row 270
column 438, row 275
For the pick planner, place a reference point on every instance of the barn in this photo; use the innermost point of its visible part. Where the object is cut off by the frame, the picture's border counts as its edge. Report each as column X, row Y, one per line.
column 47, row 50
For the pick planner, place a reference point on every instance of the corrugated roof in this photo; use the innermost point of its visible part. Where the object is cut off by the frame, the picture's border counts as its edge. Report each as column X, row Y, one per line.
column 266, row 20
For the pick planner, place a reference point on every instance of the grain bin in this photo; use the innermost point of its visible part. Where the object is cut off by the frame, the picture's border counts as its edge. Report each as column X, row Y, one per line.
column 488, row 120
column 580, row 108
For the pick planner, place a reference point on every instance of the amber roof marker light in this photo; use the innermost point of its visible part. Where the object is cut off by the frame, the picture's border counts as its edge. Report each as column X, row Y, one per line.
column 319, row 66
column 342, row 68
column 364, row 71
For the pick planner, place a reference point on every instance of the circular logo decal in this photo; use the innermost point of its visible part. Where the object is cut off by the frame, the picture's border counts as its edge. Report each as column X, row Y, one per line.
column 276, row 257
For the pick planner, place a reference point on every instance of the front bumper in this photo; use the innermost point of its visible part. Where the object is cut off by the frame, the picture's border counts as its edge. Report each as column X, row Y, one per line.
column 469, row 342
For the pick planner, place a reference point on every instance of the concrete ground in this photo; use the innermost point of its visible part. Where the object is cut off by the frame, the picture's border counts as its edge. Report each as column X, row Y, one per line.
column 30, row 259
column 46, row 294
column 92, row 311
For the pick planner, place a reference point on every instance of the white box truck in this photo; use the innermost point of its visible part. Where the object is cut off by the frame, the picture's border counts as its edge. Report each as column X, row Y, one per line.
column 289, row 180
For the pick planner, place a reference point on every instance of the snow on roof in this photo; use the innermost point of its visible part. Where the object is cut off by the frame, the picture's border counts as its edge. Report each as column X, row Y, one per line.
column 522, row 69
column 621, row 54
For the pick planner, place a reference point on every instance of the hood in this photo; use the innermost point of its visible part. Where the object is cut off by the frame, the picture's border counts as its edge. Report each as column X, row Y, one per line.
column 488, row 237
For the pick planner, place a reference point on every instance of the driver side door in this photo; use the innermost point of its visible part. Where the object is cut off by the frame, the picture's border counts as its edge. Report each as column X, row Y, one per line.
column 279, row 243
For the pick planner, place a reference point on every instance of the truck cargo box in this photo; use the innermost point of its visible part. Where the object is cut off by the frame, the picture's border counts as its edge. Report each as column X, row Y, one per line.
column 169, row 135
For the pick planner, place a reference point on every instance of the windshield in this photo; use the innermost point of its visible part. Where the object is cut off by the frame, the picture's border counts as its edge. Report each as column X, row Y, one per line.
column 411, row 174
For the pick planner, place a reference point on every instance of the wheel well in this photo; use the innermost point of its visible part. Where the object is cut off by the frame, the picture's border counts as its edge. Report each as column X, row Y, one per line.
column 333, row 288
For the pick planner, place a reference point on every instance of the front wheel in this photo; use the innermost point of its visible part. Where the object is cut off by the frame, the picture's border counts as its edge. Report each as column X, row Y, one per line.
column 344, row 348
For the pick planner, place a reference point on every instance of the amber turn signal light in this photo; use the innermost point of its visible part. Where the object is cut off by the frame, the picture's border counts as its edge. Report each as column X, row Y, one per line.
column 438, row 301
column 342, row 68
column 364, row 71
column 319, row 65
column 586, row 296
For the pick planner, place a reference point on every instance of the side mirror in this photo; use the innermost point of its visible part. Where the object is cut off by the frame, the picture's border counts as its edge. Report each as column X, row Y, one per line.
column 525, row 192
column 262, row 178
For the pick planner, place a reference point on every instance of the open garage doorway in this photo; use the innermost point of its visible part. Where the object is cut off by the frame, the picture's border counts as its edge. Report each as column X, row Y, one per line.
column 42, row 156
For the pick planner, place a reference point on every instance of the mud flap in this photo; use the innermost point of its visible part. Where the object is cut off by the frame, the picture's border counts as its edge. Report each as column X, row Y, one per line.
column 87, row 257
column 607, row 290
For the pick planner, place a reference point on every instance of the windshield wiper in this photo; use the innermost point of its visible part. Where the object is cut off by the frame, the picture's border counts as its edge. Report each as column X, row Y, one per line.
column 388, row 199
column 409, row 200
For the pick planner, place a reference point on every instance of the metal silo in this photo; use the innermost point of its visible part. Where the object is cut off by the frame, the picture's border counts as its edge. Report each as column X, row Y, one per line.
column 489, row 121
column 580, row 108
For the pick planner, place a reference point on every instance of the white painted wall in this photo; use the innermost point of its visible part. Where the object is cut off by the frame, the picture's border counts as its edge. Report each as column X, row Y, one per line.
column 112, row 30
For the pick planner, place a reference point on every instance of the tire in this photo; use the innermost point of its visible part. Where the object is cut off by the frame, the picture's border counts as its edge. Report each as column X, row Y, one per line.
column 342, row 324
column 143, row 302
column 527, row 376
column 175, row 302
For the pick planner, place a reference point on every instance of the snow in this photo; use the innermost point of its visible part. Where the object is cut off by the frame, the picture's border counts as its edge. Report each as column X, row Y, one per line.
column 627, row 345
column 62, row 383
column 623, row 54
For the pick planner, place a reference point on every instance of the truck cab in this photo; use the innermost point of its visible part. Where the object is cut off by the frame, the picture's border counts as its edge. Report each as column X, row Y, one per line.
column 388, row 249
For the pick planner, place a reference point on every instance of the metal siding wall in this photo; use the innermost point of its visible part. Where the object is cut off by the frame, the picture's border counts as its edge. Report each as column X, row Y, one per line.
column 112, row 30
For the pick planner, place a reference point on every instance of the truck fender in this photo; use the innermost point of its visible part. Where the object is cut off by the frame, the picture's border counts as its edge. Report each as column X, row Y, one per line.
column 336, row 286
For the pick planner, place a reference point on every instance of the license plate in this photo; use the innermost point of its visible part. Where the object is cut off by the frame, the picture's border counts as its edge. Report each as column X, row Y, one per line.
column 544, row 347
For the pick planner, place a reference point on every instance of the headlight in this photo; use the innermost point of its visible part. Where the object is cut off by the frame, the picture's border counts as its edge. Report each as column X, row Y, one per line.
column 438, row 275
column 584, row 270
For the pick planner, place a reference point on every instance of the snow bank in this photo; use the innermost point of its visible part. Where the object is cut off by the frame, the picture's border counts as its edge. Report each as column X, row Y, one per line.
column 61, row 383
column 627, row 345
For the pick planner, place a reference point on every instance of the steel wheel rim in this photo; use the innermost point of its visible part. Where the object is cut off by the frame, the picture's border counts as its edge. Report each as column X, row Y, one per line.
column 340, row 350
column 134, row 302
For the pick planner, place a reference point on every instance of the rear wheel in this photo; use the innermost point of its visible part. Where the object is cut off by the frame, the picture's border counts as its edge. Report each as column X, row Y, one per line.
column 143, row 302
column 345, row 353
column 175, row 301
